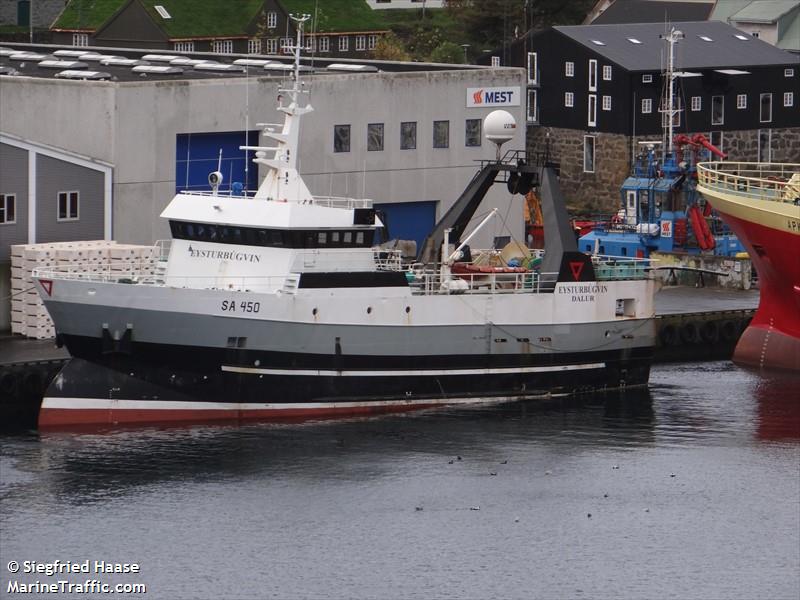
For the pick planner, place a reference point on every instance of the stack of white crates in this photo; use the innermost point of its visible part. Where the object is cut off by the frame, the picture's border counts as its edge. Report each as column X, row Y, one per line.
column 89, row 259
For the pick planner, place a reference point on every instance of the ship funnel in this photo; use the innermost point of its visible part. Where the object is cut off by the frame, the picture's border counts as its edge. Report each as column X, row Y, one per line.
column 499, row 127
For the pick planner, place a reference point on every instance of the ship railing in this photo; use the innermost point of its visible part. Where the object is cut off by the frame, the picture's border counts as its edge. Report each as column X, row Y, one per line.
column 347, row 259
column 608, row 267
column 778, row 182
column 128, row 271
column 327, row 201
column 162, row 248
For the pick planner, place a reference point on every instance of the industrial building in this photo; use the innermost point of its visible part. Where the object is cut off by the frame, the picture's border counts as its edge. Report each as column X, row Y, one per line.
column 99, row 156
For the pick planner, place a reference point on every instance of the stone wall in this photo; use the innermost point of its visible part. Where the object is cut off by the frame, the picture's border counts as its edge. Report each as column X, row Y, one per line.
column 598, row 192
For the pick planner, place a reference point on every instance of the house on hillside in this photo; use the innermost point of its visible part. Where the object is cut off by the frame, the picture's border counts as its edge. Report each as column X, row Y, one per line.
column 595, row 91
column 774, row 21
column 234, row 26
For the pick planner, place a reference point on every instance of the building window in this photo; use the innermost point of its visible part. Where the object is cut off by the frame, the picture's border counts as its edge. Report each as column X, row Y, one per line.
column 606, row 102
column 588, row 154
column 764, row 145
column 254, row 46
column 788, row 98
column 756, row 34
column 495, row 61
column 372, row 41
column 741, row 101
column 606, row 72
column 361, row 43
column 272, row 46
column 324, row 44
column 286, row 45
column 80, row 39
column 592, row 116
column 344, row 43
column 272, row 19
column 697, row 103
column 766, row 108
column 648, row 78
column 647, row 106
column 8, row 208
column 533, row 67
column 375, row 137
column 472, row 136
column 222, row 46
column 592, row 75
column 533, row 108
column 183, row 46
column 68, row 206
column 569, row 69
column 341, row 138
column 717, row 110
column 441, row 134
column 788, row 72
column 408, row 135
column 569, row 99
column 716, row 140
column 311, row 43
column 676, row 112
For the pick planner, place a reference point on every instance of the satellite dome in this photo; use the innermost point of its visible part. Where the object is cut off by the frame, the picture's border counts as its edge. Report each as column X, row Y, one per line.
column 499, row 126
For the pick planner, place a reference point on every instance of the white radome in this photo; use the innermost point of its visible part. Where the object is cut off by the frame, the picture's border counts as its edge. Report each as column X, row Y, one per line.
column 499, row 126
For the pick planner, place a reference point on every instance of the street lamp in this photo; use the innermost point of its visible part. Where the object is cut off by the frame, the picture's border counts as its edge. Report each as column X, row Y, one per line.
column 465, row 46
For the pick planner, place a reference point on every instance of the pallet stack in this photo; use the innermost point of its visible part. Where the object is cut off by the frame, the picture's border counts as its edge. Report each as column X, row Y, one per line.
column 87, row 259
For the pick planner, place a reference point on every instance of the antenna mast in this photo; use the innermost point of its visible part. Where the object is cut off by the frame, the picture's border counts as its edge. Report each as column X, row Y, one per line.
column 670, row 110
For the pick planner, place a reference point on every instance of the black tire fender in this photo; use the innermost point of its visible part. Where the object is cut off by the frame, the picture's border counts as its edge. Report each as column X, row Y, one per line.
column 690, row 332
column 709, row 332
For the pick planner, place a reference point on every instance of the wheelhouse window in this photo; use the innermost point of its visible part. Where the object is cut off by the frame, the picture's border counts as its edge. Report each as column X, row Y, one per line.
column 408, row 135
column 270, row 238
column 341, row 138
column 472, row 133
column 588, row 153
column 765, row 115
column 717, row 110
column 375, row 137
column 441, row 134
column 68, row 209
column 8, row 209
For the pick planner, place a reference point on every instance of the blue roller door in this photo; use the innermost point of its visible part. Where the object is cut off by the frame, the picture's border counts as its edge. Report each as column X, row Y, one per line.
column 197, row 155
column 410, row 220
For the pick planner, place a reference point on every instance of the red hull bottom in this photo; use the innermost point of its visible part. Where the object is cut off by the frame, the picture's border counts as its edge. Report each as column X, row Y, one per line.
column 91, row 418
column 765, row 347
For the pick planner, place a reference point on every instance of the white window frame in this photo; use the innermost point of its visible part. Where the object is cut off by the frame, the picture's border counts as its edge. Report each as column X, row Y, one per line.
column 719, row 146
column 647, row 78
column 254, row 46
column 272, row 19
column 272, row 46
column 697, row 103
column 311, row 43
column 606, row 102
column 71, row 196
column 768, row 157
column 591, row 116
column 286, row 45
column 372, row 41
column 788, row 72
column 533, row 68
column 592, row 74
column 324, row 44
column 361, row 43
column 722, row 113
column 760, row 101
column 183, row 46
column 569, row 69
column 533, row 106
column 569, row 99
column 222, row 46
column 647, row 106
column 5, row 200
column 788, row 99
column 606, row 72
column 495, row 61
column 80, row 39
column 593, row 144
column 741, row 101
column 344, row 43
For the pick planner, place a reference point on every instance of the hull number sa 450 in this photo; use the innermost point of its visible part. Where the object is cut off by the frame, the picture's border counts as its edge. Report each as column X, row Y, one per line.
column 241, row 306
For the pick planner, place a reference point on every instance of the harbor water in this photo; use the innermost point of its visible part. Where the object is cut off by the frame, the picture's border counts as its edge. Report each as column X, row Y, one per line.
column 688, row 490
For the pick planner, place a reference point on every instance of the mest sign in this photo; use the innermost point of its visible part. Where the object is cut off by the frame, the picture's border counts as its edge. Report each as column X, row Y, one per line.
column 493, row 96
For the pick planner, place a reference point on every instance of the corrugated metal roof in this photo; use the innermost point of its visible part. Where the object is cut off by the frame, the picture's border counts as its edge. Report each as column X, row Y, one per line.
column 647, row 11
column 764, row 11
column 693, row 52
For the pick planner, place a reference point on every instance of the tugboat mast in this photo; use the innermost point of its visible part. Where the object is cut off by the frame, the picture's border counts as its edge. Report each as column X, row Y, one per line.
column 670, row 110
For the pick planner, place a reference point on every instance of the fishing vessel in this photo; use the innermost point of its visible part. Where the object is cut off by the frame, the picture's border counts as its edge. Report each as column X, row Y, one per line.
column 276, row 305
column 761, row 203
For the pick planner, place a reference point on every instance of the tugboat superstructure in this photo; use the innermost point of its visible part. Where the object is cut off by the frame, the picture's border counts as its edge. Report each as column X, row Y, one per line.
column 276, row 305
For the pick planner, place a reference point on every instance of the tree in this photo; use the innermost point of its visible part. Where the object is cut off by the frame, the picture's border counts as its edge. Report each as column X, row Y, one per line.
column 447, row 52
column 389, row 47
